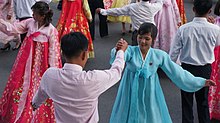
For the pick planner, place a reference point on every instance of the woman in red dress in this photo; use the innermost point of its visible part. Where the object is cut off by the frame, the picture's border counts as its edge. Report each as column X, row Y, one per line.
column 39, row 51
column 74, row 17
column 214, row 92
column 182, row 11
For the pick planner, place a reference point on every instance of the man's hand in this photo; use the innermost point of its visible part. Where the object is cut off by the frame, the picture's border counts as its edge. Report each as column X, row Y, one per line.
column 211, row 19
column 121, row 45
column 98, row 10
column 210, row 82
column 179, row 24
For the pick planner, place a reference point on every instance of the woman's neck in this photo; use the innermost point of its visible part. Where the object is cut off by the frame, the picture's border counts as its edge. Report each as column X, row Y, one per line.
column 144, row 52
column 40, row 24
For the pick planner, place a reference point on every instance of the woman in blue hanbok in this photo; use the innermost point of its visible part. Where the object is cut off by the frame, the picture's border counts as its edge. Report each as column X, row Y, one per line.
column 140, row 98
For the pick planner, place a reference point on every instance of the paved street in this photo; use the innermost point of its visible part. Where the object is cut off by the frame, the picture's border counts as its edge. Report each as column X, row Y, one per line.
column 102, row 48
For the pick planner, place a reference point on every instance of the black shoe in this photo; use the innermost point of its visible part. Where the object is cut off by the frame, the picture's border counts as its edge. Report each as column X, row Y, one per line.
column 16, row 48
column 123, row 33
column 7, row 47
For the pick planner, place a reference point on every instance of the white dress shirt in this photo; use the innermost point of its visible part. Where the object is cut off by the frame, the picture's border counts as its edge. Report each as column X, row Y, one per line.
column 139, row 12
column 195, row 42
column 75, row 92
column 23, row 7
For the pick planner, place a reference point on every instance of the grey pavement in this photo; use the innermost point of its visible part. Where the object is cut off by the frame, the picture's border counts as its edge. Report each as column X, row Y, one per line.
column 102, row 48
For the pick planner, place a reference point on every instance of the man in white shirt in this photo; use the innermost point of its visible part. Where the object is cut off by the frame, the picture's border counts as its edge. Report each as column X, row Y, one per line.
column 194, row 43
column 23, row 10
column 139, row 12
column 75, row 92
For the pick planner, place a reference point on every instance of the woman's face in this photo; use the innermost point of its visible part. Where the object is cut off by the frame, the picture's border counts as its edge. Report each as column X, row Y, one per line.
column 144, row 41
column 37, row 17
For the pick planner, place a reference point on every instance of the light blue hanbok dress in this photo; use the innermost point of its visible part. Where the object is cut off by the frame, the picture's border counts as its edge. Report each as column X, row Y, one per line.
column 140, row 97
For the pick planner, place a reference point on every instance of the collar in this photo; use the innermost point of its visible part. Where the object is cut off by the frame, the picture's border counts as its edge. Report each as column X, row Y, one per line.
column 75, row 67
column 200, row 19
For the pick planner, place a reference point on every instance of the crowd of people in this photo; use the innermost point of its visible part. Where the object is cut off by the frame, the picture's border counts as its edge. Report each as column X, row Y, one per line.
column 41, row 89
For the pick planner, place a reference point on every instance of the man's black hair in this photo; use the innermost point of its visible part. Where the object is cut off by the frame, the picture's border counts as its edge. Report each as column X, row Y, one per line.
column 73, row 44
column 202, row 7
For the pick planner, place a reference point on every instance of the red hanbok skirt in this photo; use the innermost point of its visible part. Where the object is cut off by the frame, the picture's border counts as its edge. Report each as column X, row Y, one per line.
column 24, row 80
column 214, row 92
column 73, row 19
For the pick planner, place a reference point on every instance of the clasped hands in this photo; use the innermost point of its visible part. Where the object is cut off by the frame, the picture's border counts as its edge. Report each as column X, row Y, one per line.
column 121, row 45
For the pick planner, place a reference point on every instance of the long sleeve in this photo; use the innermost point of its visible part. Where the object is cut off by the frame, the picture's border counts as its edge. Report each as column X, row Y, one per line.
column 157, row 6
column 127, row 55
column 14, row 28
column 86, row 10
column 40, row 96
column 176, row 46
column 176, row 11
column 218, row 41
column 10, row 7
column 54, row 49
column 107, row 78
column 182, row 78
column 125, row 10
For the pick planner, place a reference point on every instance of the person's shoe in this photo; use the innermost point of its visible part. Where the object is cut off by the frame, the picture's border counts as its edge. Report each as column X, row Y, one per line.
column 6, row 47
column 59, row 6
column 130, row 31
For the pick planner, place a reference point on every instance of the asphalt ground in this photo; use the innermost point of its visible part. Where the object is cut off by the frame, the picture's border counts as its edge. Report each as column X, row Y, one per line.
column 102, row 47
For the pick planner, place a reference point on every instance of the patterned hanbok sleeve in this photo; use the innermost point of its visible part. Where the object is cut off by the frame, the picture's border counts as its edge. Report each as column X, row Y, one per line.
column 15, row 28
column 86, row 10
column 176, row 11
column 10, row 8
column 54, row 49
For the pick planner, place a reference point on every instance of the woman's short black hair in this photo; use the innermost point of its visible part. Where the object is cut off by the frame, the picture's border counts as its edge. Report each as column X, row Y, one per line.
column 202, row 7
column 73, row 44
column 148, row 28
column 42, row 9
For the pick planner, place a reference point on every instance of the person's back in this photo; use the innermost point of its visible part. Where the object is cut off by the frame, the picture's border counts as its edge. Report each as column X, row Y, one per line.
column 195, row 43
column 143, row 12
column 140, row 12
column 75, row 92
column 23, row 7
column 200, row 37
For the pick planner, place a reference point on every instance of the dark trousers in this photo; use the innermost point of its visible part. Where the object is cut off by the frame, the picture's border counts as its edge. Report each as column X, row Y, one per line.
column 22, row 36
column 200, row 95
column 103, row 26
column 59, row 6
column 134, row 38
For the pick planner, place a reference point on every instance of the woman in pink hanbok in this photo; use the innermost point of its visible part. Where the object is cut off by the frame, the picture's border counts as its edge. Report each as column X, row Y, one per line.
column 167, row 21
column 214, row 92
column 39, row 51
column 7, row 14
